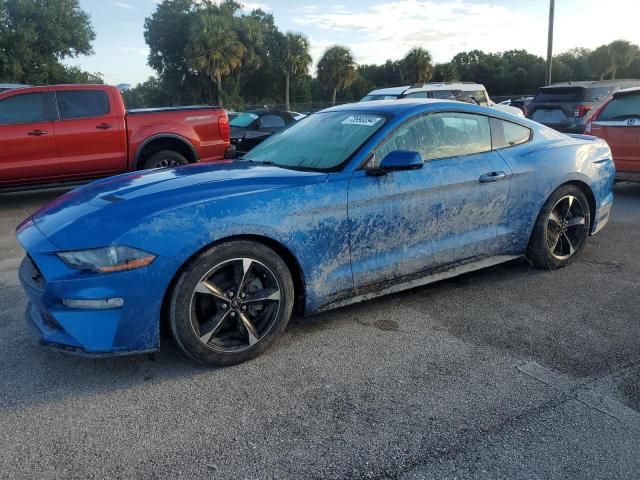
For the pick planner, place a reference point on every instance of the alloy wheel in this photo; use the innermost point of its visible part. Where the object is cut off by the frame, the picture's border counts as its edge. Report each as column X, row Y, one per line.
column 167, row 162
column 235, row 304
column 566, row 227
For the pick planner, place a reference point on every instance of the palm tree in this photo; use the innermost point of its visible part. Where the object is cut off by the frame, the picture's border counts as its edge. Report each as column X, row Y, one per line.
column 622, row 53
column 337, row 69
column 295, row 58
column 417, row 66
column 599, row 61
column 214, row 48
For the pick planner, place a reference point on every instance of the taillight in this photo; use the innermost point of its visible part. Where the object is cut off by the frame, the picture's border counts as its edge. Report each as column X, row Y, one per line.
column 581, row 110
column 588, row 128
column 224, row 128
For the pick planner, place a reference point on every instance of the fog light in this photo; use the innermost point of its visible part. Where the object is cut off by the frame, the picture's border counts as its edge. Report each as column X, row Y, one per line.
column 97, row 304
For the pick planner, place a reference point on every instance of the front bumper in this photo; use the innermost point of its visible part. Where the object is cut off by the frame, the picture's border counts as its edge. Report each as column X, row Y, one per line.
column 131, row 328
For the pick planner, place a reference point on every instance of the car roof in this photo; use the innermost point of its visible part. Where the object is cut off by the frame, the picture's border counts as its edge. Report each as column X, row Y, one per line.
column 434, row 86
column 13, row 85
column 392, row 107
column 389, row 90
column 592, row 83
column 265, row 111
column 627, row 91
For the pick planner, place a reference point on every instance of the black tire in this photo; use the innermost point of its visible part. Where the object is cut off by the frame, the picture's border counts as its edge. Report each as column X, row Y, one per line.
column 196, row 312
column 163, row 159
column 558, row 236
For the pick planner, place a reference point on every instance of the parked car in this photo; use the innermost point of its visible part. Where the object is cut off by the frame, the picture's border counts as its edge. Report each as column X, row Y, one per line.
column 297, row 116
column 10, row 86
column 392, row 93
column 250, row 128
column 353, row 202
column 618, row 122
column 567, row 106
column 521, row 103
column 71, row 133
column 231, row 114
column 468, row 92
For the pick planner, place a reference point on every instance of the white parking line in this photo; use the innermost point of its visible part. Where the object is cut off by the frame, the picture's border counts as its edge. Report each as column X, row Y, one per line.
column 599, row 402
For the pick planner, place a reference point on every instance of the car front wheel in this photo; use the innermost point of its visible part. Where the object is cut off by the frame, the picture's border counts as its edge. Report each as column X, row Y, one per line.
column 231, row 303
column 561, row 230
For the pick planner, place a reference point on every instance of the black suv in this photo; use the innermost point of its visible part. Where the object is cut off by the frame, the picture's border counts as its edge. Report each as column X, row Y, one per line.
column 567, row 106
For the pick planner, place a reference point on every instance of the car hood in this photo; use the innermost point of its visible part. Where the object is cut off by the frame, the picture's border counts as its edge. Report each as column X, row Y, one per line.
column 98, row 213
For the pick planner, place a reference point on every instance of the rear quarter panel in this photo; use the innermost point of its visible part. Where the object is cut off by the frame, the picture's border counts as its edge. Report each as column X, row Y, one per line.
column 199, row 128
column 541, row 166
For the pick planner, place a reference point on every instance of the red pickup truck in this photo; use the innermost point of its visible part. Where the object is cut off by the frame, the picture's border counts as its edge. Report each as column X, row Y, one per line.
column 71, row 133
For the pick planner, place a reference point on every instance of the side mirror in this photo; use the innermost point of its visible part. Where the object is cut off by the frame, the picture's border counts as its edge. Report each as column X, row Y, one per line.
column 398, row 160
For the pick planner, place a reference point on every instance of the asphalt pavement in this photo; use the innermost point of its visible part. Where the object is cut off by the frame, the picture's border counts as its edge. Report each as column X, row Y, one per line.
column 510, row 372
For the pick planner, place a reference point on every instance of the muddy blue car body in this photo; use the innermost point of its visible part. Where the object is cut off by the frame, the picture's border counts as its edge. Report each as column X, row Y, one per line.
column 346, row 233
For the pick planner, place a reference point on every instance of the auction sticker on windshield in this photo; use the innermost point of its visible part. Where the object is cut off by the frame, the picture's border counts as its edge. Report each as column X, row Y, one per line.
column 363, row 120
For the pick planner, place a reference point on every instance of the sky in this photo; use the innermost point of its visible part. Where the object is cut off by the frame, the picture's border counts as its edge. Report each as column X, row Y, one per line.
column 380, row 30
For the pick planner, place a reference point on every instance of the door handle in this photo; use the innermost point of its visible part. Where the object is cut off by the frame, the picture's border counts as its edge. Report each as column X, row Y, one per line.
column 104, row 126
column 492, row 177
column 37, row 133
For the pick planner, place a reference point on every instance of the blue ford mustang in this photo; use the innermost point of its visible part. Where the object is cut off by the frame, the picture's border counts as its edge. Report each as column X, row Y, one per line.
column 353, row 202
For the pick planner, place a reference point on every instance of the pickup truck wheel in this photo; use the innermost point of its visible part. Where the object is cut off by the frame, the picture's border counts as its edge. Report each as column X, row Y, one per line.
column 163, row 159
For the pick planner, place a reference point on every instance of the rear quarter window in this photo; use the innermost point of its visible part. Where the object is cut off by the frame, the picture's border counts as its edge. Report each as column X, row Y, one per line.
column 621, row 108
column 508, row 134
column 82, row 103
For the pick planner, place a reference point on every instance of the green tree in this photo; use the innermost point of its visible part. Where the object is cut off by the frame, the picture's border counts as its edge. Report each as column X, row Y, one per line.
column 36, row 34
column 214, row 48
column 600, row 62
column 295, row 59
column 445, row 72
column 417, row 66
column 336, row 69
column 166, row 32
column 621, row 53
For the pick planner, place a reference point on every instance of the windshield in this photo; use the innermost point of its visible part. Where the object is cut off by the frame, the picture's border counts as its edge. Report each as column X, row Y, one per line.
column 243, row 120
column 598, row 94
column 322, row 141
column 560, row 94
column 371, row 98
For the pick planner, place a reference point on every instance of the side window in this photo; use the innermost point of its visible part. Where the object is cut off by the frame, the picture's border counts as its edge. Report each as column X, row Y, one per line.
column 416, row 95
column 82, row 103
column 25, row 108
column 444, row 94
column 440, row 135
column 272, row 121
column 414, row 135
column 507, row 134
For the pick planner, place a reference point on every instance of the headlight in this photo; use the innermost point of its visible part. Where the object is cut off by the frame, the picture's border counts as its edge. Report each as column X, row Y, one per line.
column 107, row 259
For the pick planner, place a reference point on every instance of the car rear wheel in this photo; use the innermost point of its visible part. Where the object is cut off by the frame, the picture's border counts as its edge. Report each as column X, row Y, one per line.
column 561, row 230
column 165, row 158
column 231, row 303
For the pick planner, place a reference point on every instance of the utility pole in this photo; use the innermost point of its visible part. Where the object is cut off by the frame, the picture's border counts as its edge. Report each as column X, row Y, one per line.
column 547, row 76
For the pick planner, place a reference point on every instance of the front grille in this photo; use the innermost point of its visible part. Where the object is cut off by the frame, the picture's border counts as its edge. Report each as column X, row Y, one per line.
column 30, row 272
